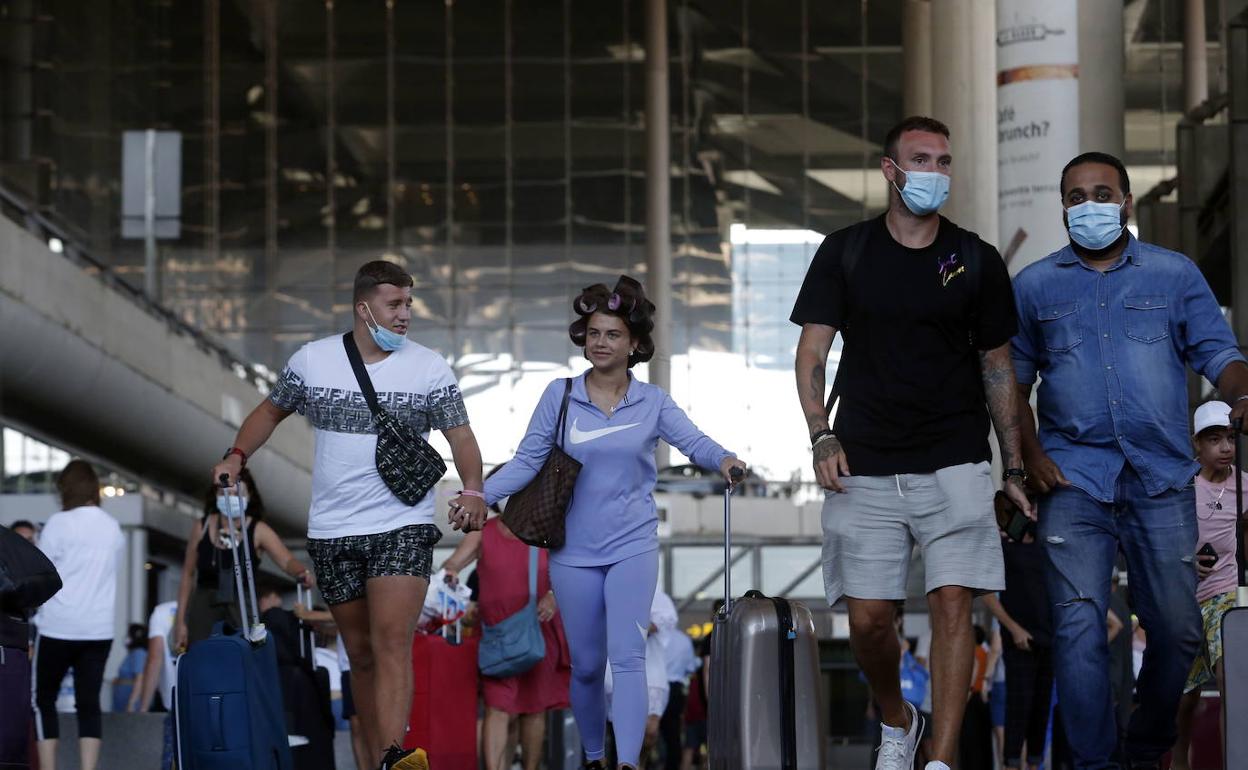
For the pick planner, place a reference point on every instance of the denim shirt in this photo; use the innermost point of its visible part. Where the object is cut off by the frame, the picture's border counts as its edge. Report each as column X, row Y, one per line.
column 1110, row 350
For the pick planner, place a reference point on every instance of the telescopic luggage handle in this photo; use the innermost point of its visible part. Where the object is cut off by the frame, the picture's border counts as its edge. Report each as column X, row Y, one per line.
column 254, row 631
column 1237, row 427
column 736, row 474
column 304, row 596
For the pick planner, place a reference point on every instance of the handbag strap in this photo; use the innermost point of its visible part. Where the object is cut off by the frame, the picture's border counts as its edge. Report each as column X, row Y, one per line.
column 361, row 374
column 561, row 424
column 533, row 557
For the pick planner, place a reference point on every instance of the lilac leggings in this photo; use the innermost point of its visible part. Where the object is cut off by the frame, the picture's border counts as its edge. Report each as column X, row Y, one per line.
column 606, row 615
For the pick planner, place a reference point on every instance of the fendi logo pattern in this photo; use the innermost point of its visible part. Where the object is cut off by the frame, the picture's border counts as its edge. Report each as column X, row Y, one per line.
column 345, row 411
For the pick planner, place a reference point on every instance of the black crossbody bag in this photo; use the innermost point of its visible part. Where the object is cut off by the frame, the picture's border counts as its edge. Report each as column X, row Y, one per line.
column 407, row 463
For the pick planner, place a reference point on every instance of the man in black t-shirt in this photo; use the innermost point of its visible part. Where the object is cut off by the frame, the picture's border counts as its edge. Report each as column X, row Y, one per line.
column 927, row 314
column 1027, row 641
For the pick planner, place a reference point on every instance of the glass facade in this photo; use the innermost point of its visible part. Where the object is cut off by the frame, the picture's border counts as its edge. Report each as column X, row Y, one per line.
column 496, row 149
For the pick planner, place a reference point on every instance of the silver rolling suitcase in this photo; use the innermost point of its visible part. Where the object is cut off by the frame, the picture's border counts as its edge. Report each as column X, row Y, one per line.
column 1235, row 644
column 764, row 711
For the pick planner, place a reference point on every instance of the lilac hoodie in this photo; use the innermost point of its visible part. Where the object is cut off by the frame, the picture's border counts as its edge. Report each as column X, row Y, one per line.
column 612, row 515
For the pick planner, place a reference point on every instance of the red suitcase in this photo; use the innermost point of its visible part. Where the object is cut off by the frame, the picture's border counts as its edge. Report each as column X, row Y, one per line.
column 445, row 688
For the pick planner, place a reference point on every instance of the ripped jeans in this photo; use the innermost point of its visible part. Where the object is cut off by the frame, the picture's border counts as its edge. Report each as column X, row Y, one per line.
column 1082, row 537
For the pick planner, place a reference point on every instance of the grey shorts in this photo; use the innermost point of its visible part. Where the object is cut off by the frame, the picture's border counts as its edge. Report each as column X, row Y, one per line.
column 345, row 564
column 870, row 530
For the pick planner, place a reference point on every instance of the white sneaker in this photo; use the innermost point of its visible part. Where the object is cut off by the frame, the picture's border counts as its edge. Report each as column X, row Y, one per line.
column 897, row 752
column 934, row 765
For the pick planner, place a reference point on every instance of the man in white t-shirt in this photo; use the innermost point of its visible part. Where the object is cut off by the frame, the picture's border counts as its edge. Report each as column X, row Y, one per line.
column 76, row 625
column 371, row 551
column 160, row 673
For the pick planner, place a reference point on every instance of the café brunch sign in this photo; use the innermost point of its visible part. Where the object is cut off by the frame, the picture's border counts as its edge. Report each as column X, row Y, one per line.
column 1037, row 122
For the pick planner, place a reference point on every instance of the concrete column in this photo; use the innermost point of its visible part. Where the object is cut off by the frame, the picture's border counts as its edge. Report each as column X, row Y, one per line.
column 1195, row 55
column 136, row 566
column 659, row 199
column 964, row 97
column 1102, row 61
column 916, row 57
column 1237, row 75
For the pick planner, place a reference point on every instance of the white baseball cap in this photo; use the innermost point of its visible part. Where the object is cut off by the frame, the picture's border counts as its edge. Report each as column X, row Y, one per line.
column 1211, row 414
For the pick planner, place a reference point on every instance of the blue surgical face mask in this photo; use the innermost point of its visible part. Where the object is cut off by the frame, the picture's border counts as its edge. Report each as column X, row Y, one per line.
column 232, row 506
column 386, row 340
column 925, row 191
column 1095, row 226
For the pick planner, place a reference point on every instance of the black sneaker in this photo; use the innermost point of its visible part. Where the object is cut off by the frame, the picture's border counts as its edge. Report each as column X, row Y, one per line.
column 404, row 759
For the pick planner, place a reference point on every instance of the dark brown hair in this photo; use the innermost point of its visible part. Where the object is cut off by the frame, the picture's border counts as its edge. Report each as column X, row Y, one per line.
column 255, row 503
column 627, row 301
column 78, row 485
column 375, row 273
column 912, row 123
column 1103, row 158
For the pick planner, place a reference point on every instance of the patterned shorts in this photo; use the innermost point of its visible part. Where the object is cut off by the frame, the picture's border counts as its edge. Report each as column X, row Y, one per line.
column 344, row 564
column 1211, row 610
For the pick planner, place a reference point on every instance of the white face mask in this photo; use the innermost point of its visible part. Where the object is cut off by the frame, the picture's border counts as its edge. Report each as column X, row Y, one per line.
column 1095, row 226
column 925, row 191
column 233, row 506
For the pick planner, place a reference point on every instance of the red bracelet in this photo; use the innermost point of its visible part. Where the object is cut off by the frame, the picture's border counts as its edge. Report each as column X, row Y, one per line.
column 235, row 451
column 472, row 493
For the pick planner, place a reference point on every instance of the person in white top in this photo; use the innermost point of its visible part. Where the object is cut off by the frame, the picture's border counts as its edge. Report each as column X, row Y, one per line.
column 681, row 662
column 159, row 672
column 370, row 550
column 76, row 625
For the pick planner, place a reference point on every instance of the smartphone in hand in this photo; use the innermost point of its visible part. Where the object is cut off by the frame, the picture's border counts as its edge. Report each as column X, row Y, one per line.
column 1011, row 520
column 1207, row 555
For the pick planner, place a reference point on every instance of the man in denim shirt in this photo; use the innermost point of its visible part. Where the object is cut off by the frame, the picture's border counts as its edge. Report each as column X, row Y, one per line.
column 1109, row 324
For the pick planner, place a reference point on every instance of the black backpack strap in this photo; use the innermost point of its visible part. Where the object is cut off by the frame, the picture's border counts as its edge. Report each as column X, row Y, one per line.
column 973, row 261
column 361, row 374
column 855, row 243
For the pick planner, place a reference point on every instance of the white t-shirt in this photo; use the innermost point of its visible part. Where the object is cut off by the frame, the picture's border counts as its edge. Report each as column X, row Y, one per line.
column 85, row 545
column 413, row 384
column 160, row 626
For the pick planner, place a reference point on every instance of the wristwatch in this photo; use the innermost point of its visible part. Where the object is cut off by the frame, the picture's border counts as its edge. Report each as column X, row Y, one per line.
column 1017, row 473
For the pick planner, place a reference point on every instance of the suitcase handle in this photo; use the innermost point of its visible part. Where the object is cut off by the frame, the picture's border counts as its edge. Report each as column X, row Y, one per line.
column 216, row 719
column 736, row 474
column 304, row 597
column 1237, row 427
column 254, row 632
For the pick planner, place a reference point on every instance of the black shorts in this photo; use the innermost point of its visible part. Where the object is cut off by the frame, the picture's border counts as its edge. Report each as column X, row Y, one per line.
column 348, row 702
column 344, row 564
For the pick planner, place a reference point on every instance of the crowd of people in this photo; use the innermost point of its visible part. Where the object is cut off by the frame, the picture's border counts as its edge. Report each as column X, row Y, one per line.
column 941, row 346
column 939, row 342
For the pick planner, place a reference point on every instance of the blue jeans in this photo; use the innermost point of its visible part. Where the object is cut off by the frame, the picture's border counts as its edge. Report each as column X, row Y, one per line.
column 1082, row 537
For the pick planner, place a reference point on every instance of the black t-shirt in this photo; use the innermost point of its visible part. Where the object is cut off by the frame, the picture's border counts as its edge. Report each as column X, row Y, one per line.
column 910, row 385
column 1026, row 595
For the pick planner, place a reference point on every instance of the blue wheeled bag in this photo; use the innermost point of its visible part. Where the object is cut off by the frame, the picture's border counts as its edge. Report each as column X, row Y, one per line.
column 228, row 707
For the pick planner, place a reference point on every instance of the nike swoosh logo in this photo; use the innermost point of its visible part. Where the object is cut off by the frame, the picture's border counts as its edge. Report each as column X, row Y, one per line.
column 578, row 436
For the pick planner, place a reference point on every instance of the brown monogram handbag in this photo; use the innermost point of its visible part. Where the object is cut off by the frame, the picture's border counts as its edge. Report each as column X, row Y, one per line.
column 536, row 513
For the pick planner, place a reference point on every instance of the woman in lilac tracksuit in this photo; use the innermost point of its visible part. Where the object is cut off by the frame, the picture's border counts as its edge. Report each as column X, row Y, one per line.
column 605, row 575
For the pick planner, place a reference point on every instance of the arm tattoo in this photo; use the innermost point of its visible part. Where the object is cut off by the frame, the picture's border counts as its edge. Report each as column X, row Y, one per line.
column 1002, row 395
column 816, row 418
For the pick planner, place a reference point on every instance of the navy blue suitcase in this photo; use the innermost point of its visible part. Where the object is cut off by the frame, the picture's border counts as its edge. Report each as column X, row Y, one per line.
column 230, row 711
column 228, row 706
